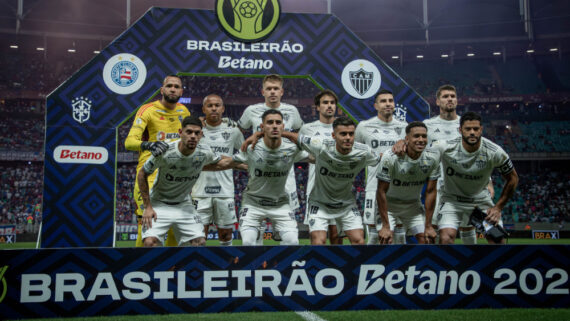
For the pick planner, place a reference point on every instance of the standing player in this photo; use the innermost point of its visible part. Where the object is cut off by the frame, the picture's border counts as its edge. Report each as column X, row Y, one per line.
column 380, row 133
column 443, row 127
column 155, row 125
column 400, row 182
column 265, row 196
column 213, row 193
column 467, row 163
column 169, row 204
column 272, row 91
column 325, row 103
column 338, row 161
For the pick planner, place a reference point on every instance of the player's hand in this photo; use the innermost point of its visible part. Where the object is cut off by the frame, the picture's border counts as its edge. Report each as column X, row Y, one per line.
column 251, row 140
column 229, row 122
column 148, row 215
column 430, row 234
column 156, row 148
column 385, row 235
column 493, row 215
column 400, row 147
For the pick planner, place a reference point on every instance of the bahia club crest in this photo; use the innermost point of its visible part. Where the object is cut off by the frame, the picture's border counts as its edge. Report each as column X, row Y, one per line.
column 248, row 20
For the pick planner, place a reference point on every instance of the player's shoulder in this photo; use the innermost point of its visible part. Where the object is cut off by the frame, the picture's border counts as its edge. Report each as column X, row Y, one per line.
column 398, row 123
column 432, row 120
column 389, row 155
column 256, row 106
column 181, row 108
column 288, row 107
column 361, row 147
column 488, row 145
column 147, row 108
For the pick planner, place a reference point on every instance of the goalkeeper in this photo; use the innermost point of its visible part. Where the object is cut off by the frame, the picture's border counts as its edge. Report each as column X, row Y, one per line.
column 156, row 124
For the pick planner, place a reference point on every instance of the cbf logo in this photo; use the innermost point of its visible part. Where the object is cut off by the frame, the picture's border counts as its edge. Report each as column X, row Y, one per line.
column 400, row 112
column 81, row 109
column 361, row 79
column 248, row 20
column 124, row 73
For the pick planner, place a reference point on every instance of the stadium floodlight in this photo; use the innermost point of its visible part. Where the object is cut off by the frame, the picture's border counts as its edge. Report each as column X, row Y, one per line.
column 420, row 56
column 496, row 53
column 71, row 50
column 395, row 57
column 470, row 54
column 40, row 49
column 96, row 51
column 14, row 46
column 530, row 51
column 553, row 49
column 444, row 55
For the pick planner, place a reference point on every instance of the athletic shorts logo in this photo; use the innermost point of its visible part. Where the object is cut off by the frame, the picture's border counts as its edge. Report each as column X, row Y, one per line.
column 124, row 73
column 248, row 20
column 81, row 109
column 361, row 79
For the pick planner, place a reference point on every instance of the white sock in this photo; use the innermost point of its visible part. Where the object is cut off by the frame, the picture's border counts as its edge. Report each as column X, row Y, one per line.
column 226, row 243
column 372, row 236
column 289, row 238
column 249, row 236
column 468, row 237
column 399, row 235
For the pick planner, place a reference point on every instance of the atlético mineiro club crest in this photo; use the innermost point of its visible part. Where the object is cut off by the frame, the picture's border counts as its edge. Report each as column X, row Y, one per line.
column 361, row 80
column 81, row 109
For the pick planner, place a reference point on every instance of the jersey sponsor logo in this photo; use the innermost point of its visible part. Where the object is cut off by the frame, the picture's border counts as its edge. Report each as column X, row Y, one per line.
column 326, row 172
column 260, row 173
column 220, row 149
column 382, row 143
column 80, row 154
column 167, row 136
column 451, row 172
column 397, row 182
column 181, row 179
column 247, row 20
column 361, row 79
column 81, row 109
column 124, row 73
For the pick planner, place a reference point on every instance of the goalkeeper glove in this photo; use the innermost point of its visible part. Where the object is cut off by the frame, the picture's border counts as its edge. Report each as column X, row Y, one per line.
column 156, row 148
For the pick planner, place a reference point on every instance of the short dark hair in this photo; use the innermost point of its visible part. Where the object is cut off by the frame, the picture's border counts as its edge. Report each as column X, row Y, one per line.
column 270, row 111
column 326, row 92
column 273, row 77
column 469, row 116
column 382, row 92
column 445, row 87
column 191, row 120
column 415, row 124
column 343, row 121
column 171, row 76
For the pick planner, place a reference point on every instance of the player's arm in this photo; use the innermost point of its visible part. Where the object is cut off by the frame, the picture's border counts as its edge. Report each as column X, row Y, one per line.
column 511, row 182
column 292, row 136
column 224, row 163
column 385, row 235
column 134, row 140
column 431, row 193
column 148, row 214
column 491, row 188
column 251, row 140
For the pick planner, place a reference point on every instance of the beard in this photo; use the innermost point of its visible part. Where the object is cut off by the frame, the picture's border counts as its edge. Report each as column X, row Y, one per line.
column 466, row 140
column 171, row 99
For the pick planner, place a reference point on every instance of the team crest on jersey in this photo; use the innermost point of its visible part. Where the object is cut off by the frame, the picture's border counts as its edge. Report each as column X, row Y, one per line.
column 400, row 112
column 226, row 135
column 286, row 117
column 124, row 73
column 480, row 163
column 398, row 130
column 81, row 109
column 424, row 168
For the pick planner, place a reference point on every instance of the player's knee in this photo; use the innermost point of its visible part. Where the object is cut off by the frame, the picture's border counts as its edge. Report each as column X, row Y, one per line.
column 318, row 238
column 224, row 235
column 249, row 236
column 446, row 237
column 290, row 238
column 200, row 241
column 421, row 238
column 150, row 241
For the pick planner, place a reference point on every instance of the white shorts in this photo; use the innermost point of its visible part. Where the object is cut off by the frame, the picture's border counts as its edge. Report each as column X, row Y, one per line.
column 370, row 208
column 291, row 188
column 216, row 210
column 347, row 218
column 182, row 218
column 253, row 213
column 409, row 214
column 307, row 214
column 454, row 213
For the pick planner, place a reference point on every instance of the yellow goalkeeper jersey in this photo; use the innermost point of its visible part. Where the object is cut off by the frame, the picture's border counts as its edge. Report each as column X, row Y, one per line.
column 154, row 122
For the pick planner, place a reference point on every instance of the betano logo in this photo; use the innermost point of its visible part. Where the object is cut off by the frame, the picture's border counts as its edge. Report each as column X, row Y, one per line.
column 80, row 154
column 4, row 285
column 248, row 20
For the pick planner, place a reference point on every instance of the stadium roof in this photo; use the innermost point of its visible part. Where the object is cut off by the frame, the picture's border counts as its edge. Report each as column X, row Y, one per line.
column 392, row 27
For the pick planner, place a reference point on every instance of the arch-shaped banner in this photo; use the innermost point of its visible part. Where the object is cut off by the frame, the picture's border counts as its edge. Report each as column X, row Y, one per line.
column 84, row 112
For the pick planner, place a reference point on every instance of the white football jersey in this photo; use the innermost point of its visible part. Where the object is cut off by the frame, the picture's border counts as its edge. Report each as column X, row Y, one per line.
column 251, row 117
column 441, row 129
column 177, row 173
column 268, row 170
column 380, row 136
column 316, row 129
column 335, row 172
column 466, row 175
column 223, row 140
column 407, row 176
